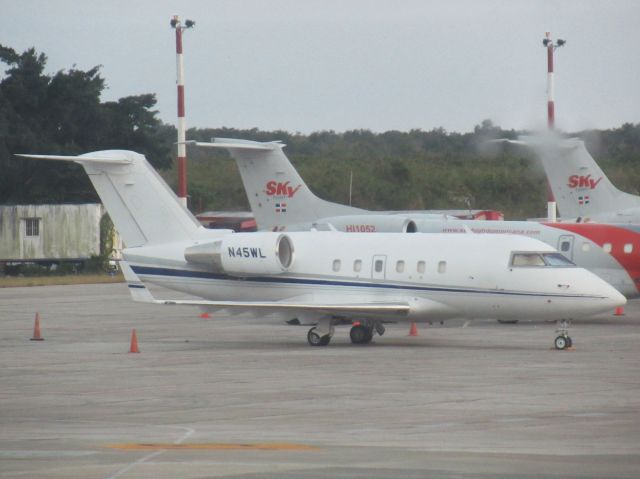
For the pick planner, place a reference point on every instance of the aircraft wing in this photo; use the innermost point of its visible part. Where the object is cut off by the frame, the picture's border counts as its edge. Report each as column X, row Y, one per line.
column 140, row 293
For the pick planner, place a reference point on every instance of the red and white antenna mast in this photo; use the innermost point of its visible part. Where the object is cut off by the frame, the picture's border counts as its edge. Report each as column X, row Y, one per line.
column 551, row 111
column 551, row 46
column 182, row 126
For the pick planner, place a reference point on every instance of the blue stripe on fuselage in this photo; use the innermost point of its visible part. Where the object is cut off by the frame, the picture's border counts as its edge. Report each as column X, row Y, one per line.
column 155, row 271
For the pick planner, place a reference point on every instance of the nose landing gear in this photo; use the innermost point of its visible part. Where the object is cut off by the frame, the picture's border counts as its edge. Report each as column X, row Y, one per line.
column 563, row 340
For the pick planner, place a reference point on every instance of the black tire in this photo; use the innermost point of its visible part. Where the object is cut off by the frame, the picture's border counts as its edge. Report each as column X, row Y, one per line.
column 561, row 342
column 360, row 335
column 569, row 342
column 314, row 339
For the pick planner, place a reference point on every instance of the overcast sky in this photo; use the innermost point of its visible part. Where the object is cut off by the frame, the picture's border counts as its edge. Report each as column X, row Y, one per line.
column 344, row 64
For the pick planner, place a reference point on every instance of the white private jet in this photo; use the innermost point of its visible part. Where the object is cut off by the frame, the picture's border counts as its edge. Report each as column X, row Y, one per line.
column 329, row 277
column 581, row 189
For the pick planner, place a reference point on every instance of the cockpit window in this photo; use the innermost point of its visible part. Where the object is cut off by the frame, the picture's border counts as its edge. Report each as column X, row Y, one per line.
column 556, row 259
column 539, row 260
column 527, row 259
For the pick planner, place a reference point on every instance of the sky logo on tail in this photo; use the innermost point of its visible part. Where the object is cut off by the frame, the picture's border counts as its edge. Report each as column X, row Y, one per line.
column 583, row 182
column 281, row 189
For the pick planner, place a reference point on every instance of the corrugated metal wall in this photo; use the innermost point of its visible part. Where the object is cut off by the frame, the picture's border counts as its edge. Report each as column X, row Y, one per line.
column 65, row 232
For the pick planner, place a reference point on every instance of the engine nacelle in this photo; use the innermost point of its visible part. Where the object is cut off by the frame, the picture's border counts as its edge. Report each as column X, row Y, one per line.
column 244, row 254
column 372, row 224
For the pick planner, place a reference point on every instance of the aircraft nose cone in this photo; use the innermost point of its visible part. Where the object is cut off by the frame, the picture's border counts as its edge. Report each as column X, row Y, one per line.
column 616, row 298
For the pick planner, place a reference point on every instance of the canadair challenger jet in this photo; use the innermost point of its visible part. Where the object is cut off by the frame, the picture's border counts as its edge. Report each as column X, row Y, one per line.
column 329, row 277
column 281, row 201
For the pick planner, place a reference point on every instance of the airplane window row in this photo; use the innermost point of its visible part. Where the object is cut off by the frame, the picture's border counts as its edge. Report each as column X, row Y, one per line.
column 565, row 246
column 539, row 260
column 378, row 266
column 608, row 247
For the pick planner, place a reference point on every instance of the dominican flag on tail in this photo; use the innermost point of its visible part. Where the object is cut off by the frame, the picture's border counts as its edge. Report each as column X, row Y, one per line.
column 583, row 200
column 281, row 207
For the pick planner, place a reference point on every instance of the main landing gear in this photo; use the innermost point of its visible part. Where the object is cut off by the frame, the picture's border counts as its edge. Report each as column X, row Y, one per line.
column 316, row 338
column 361, row 333
column 563, row 340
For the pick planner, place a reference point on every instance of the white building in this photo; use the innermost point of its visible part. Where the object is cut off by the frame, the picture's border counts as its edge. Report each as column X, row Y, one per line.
column 51, row 232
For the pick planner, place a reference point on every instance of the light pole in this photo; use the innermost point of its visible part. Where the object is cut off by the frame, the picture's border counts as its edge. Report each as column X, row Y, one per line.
column 182, row 127
column 551, row 46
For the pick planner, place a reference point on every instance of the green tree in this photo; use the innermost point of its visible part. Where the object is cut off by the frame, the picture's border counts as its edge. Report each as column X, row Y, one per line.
column 63, row 114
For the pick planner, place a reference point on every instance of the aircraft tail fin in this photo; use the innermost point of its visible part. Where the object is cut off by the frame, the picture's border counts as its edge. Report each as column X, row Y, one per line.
column 143, row 208
column 580, row 187
column 277, row 194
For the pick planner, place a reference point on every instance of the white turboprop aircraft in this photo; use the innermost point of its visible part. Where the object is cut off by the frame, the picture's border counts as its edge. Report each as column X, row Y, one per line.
column 281, row 200
column 581, row 189
column 324, row 277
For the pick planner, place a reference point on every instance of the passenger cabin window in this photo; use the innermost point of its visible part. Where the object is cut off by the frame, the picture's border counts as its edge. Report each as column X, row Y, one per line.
column 442, row 267
column 519, row 260
column 378, row 266
column 421, row 267
column 32, row 226
column 336, row 265
column 400, row 267
column 628, row 248
column 607, row 247
column 357, row 265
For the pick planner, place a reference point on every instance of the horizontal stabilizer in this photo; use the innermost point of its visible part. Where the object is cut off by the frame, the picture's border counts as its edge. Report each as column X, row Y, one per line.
column 234, row 144
column 531, row 143
column 82, row 158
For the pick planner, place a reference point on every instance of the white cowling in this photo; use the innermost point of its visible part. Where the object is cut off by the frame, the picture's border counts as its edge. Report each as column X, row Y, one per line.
column 244, row 254
column 372, row 224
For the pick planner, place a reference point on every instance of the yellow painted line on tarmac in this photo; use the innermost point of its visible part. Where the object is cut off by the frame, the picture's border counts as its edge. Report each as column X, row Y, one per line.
column 212, row 447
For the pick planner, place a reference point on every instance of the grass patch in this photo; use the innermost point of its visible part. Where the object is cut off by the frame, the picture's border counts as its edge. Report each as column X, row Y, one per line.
column 15, row 281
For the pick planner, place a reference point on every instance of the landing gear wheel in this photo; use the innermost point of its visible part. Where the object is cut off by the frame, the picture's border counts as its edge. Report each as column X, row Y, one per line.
column 315, row 339
column 562, row 342
column 360, row 335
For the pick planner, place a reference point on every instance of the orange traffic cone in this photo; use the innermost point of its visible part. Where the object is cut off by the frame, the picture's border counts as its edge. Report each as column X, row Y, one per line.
column 36, row 330
column 205, row 315
column 619, row 311
column 134, row 342
column 414, row 329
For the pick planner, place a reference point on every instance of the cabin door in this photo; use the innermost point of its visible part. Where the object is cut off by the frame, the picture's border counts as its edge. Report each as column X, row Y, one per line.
column 565, row 246
column 379, row 266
